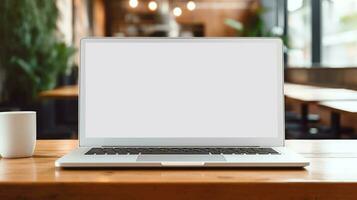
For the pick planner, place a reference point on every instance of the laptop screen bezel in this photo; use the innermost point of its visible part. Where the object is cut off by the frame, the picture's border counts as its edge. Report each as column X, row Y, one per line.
column 216, row 141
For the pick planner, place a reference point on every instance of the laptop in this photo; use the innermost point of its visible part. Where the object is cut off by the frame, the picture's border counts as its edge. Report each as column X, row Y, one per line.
column 181, row 102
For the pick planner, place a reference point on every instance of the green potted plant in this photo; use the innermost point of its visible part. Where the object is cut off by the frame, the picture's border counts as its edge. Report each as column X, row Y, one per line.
column 32, row 55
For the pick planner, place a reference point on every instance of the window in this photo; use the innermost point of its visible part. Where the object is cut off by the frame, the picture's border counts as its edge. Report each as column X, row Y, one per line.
column 339, row 33
column 299, row 33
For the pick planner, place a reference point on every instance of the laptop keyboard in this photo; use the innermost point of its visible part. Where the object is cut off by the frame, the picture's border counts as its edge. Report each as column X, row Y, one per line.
column 167, row 151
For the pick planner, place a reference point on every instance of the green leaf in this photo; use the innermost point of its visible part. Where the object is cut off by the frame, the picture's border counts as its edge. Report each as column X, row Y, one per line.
column 27, row 68
column 238, row 26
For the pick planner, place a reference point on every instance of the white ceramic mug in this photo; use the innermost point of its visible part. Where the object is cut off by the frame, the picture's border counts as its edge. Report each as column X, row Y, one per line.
column 17, row 134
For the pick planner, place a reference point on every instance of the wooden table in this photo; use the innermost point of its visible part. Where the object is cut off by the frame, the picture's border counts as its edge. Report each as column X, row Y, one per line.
column 349, row 107
column 66, row 92
column 336, row 108
column 331, row 175
column 306, row 95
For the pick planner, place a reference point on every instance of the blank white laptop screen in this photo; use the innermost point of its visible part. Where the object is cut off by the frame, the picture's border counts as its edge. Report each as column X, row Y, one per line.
column 181, row 88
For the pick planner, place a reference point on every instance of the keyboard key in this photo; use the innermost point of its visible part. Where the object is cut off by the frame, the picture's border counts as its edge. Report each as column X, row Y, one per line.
column 109, row 151
column 96, row 151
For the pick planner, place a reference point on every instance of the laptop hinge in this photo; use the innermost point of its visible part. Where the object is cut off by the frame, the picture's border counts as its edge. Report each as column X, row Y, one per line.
column 113, row 146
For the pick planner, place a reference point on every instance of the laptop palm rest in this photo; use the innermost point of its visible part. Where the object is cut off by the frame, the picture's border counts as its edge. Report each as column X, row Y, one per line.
column 180, row 158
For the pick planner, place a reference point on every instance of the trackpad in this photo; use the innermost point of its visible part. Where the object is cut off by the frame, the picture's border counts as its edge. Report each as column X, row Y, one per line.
column 180, row 158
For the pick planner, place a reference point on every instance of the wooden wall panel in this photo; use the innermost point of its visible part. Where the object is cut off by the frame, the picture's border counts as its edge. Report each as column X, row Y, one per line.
column 98, row 18
column 325, row 77
column 213, row 17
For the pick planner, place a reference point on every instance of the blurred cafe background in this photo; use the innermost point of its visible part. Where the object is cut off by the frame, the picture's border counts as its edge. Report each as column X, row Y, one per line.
column 39, row 46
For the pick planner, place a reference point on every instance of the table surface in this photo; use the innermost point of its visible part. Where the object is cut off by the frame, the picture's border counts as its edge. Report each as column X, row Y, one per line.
column 333, row 166
column 315, row 94
column 340, row 106
column 65, row 92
